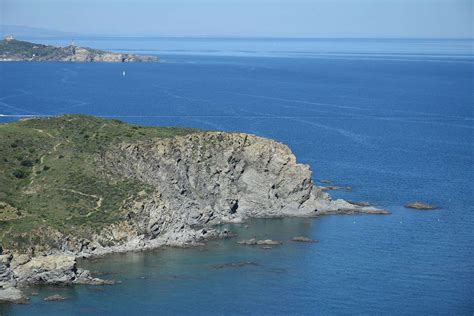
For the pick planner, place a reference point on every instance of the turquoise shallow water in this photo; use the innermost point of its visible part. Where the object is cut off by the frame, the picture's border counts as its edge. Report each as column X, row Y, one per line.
column 395, row 128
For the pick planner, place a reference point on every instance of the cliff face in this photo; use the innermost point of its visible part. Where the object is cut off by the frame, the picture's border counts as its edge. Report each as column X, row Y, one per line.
column 201, row 180
column 14, row 50
column 210, row 178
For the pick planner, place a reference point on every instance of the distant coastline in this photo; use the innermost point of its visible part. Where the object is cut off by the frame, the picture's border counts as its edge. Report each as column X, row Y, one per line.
column 15, row 50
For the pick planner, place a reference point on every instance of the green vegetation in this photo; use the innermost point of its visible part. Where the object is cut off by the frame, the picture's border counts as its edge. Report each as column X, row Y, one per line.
column 50, row 178
column 23, row 49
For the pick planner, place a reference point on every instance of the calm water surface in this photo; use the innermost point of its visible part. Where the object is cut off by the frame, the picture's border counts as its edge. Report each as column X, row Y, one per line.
column 392, row 119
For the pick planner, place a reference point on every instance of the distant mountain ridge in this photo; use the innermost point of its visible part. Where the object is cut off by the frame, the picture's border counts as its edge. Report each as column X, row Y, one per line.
column 21, row 31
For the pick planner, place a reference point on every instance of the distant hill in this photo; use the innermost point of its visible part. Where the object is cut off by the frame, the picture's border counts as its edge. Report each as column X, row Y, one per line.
column 20, row 31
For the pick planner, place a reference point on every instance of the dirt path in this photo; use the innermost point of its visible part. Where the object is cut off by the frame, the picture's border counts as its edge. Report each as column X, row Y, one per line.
column 99, row 199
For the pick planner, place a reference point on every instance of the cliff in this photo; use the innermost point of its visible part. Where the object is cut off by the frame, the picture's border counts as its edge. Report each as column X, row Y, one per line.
column 14, row 50
column 81, row 186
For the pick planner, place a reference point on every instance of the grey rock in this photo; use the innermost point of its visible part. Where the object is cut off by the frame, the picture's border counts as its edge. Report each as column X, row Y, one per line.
column 5, row 262
column 204, row 179
column 359, row 203
column 55, row 298
column 53, row 269
column 251, row 242
column 254, row 242
column 420, row 206
column 304, row 239
column 12, row 295
column 335, row 187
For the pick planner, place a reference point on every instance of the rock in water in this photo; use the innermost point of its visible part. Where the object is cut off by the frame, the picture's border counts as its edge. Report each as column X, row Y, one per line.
column 54, row 269
column 55, row 297
column 251, row 242
column 420, row 206
column 254, row 242
column 269, row 242
column 12, row 295
column 303, row 239
column 359, row 203
column 235, row 264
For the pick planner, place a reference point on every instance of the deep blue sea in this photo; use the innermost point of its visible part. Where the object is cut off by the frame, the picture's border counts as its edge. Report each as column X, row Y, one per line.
column 393, row 119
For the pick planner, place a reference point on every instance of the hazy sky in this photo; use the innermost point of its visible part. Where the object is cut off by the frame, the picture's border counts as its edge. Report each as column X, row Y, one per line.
column 299, row 18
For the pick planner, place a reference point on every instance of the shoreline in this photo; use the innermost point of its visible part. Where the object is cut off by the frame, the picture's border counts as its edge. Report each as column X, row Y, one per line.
column 15, row 293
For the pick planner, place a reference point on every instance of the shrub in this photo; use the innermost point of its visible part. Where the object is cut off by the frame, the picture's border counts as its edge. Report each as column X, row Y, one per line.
column 20, row 174
column 27, row 163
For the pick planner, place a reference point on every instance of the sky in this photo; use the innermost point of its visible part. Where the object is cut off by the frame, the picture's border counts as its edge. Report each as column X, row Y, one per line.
column 272, row 18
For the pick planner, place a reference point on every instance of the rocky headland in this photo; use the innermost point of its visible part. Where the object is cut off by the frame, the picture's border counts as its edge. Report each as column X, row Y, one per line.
column 85, row 187
column 15, row 50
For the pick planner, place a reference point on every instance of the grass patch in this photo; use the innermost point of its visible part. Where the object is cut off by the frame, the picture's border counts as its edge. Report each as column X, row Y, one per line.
column 49, row 171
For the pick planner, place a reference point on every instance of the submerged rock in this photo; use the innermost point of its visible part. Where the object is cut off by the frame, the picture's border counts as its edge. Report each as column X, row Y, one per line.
column 255, row 242
column 359, row 203
column 235, row 264
column 304, row 239
column 335, row 187
column 359, row 210
column 55, row 297
column 420, row 206
column 269, row 242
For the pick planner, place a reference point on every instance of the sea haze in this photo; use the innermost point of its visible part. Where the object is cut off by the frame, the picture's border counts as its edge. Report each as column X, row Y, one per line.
column 393, row 119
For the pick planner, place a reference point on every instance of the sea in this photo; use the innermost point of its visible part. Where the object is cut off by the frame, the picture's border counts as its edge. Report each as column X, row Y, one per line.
column 391, row 118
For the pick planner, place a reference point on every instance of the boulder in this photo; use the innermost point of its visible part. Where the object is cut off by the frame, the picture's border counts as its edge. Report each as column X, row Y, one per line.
column 56, row 269
column 12, row 295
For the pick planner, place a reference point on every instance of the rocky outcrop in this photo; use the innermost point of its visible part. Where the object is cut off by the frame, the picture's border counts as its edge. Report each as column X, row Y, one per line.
column 54, row 269
column 215, row 177
column 21, row 270
column 201, row 180
column 9, row 294
column 195, row 182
